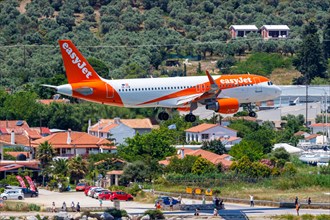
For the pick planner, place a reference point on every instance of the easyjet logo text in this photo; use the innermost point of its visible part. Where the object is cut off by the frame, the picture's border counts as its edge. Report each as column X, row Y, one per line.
column 236, row 81
column 76, row 60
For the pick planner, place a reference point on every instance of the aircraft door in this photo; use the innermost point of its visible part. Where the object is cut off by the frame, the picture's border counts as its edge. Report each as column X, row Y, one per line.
column 257, row 85
column 109, row 91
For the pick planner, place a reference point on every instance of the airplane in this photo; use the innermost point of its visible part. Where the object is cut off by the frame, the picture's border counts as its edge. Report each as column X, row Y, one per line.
column 223, row 93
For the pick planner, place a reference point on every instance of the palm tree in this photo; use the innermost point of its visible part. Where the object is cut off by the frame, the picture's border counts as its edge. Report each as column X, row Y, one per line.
column 60, row 166
column 78, row 168
column 45, row 154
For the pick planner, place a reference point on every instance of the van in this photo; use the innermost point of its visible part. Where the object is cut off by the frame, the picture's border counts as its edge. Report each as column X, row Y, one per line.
column 12, row 194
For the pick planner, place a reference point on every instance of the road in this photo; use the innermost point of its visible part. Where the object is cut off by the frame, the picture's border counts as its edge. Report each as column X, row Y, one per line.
column 232, row 211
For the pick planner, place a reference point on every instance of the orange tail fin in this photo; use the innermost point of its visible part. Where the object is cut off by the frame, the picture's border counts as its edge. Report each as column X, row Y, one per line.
column 76, row 66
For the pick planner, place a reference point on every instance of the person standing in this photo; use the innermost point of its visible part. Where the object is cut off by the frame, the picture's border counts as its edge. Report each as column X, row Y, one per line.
column 64, row 206
column 251, row 201
column 53, row 207
column 309, row 201
column 171, row 204
column 72, row 206
column 78, row 207
column 196, row 212
column 296, row 201
column 215, row 212
column 297, row 208
column 100, row 200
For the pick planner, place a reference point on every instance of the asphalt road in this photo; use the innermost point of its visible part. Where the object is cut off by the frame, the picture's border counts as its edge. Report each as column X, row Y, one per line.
column 231, row 211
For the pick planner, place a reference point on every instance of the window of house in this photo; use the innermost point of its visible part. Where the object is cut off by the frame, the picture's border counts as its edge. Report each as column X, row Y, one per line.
column 240, row 33
column 273, row 33
column 205, row 136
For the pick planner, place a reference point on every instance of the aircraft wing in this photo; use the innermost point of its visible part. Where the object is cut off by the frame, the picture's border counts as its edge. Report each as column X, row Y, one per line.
column 212, row 93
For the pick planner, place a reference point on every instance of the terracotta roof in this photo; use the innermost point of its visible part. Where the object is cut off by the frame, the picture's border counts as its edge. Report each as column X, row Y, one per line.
column 230, row 138
column 246, row 118
column 13, row 124
column 201, row 127
column 311, row 136
column 42, row 130
column 28, row 163
column 210, row 156
column 16, row 153
column 115, row 172
column 49, row 101
column 300, row 133
column 20, row 139
column 106, row 125
column 10, row 167
column 320, row 125
column 78, row 140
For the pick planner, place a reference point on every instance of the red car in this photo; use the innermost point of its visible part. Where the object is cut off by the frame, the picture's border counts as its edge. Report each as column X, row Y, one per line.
column 105, row 195
column 87, row 188
column 119, row 195
column 81, row 186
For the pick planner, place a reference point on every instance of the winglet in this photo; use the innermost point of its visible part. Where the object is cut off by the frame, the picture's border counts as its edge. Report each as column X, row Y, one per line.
column 77, row 67
column 214, row 86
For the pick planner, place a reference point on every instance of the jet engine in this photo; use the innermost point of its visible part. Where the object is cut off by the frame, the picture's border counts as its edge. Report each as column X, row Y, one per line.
column 224, row 105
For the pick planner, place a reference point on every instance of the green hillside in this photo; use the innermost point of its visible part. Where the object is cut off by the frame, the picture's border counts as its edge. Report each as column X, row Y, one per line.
column 133, row 38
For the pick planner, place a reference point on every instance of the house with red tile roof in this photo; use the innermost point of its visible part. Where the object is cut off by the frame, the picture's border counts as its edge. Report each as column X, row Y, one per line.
column 71, row 143
column 208, row 132
column 119, row 129
column 11, row 167
column 224, row 159
column 319, row 127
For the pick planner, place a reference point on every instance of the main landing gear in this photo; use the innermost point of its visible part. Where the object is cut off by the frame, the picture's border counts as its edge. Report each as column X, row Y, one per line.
column 190, row 117
column 163, row 116
column 251, row 112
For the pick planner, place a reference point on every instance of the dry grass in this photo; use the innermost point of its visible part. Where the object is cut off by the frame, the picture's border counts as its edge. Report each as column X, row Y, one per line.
column 284, row 76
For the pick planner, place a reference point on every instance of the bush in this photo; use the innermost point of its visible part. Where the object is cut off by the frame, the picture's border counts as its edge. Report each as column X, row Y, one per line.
column 134, row 189
column 34, row 207
column 154, row 214
column 116, row 213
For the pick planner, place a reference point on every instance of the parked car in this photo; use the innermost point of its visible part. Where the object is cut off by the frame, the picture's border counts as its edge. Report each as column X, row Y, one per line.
column 92, row 191
column 120, row 195
column 81, row 186
column 29, row 193
column 1, row 203
column 87, row 190
column 97, row 192
column 105, row 195
column 12, row 194
column 166, row 200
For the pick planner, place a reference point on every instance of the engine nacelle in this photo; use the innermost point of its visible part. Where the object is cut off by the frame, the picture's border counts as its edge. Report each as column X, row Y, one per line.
column 224, row 106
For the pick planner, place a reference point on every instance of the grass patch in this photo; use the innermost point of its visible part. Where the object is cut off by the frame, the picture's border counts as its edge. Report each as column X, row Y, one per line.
column 301, row 217
column 20, row 207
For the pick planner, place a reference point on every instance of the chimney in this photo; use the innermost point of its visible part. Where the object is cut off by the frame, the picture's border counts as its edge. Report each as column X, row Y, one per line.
column 116, row 120
column 89, row 125
column 12, row 137
column 182, row 152
column 68, row 140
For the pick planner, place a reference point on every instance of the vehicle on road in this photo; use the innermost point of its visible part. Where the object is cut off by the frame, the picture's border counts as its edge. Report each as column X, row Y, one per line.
column 105, row 195
column 12, row 194
column 166, row 200
column 120, row 195
column 81, row 186
column 92, row 191
column 29, row 193
column 97, row 192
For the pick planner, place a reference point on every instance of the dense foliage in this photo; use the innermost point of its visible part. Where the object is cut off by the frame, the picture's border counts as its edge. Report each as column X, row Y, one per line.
column 132, row 38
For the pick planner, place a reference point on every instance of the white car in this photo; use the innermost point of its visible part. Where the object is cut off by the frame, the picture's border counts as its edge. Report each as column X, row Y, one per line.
column 12, row 194
column 97, row 193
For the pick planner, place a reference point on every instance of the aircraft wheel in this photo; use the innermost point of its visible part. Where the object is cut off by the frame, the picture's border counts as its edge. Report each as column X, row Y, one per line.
column 163, row 116
column 190, row 118
column 252, row 114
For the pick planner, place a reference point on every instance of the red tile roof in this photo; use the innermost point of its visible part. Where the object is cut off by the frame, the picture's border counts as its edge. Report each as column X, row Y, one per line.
column 16, row 153
column 29, row 163
column 106, row 125
column 300, row 133
column 320, row 125
column 49, row 101
column 10, row 167
column 20, row 139
column 115, row 172
column 210, row 156
column 311, row 136
column 78, row 140
column 201, row 127
column 13, row 124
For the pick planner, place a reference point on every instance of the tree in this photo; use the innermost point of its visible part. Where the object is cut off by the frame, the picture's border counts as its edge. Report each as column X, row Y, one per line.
column 60, row 167
column 181, row 165
column 78, row 168
column 135, row 172
column 250, row 149
column 202, row 166
column 45, row 154
column 214, row 146
column 310, row 60
column 326, row 39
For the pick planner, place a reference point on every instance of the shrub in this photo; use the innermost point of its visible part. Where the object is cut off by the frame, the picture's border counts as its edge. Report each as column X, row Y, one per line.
column 289, row 169
column 116, row 213
column 154, row 214
column 34, row 207
column 134, row 189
